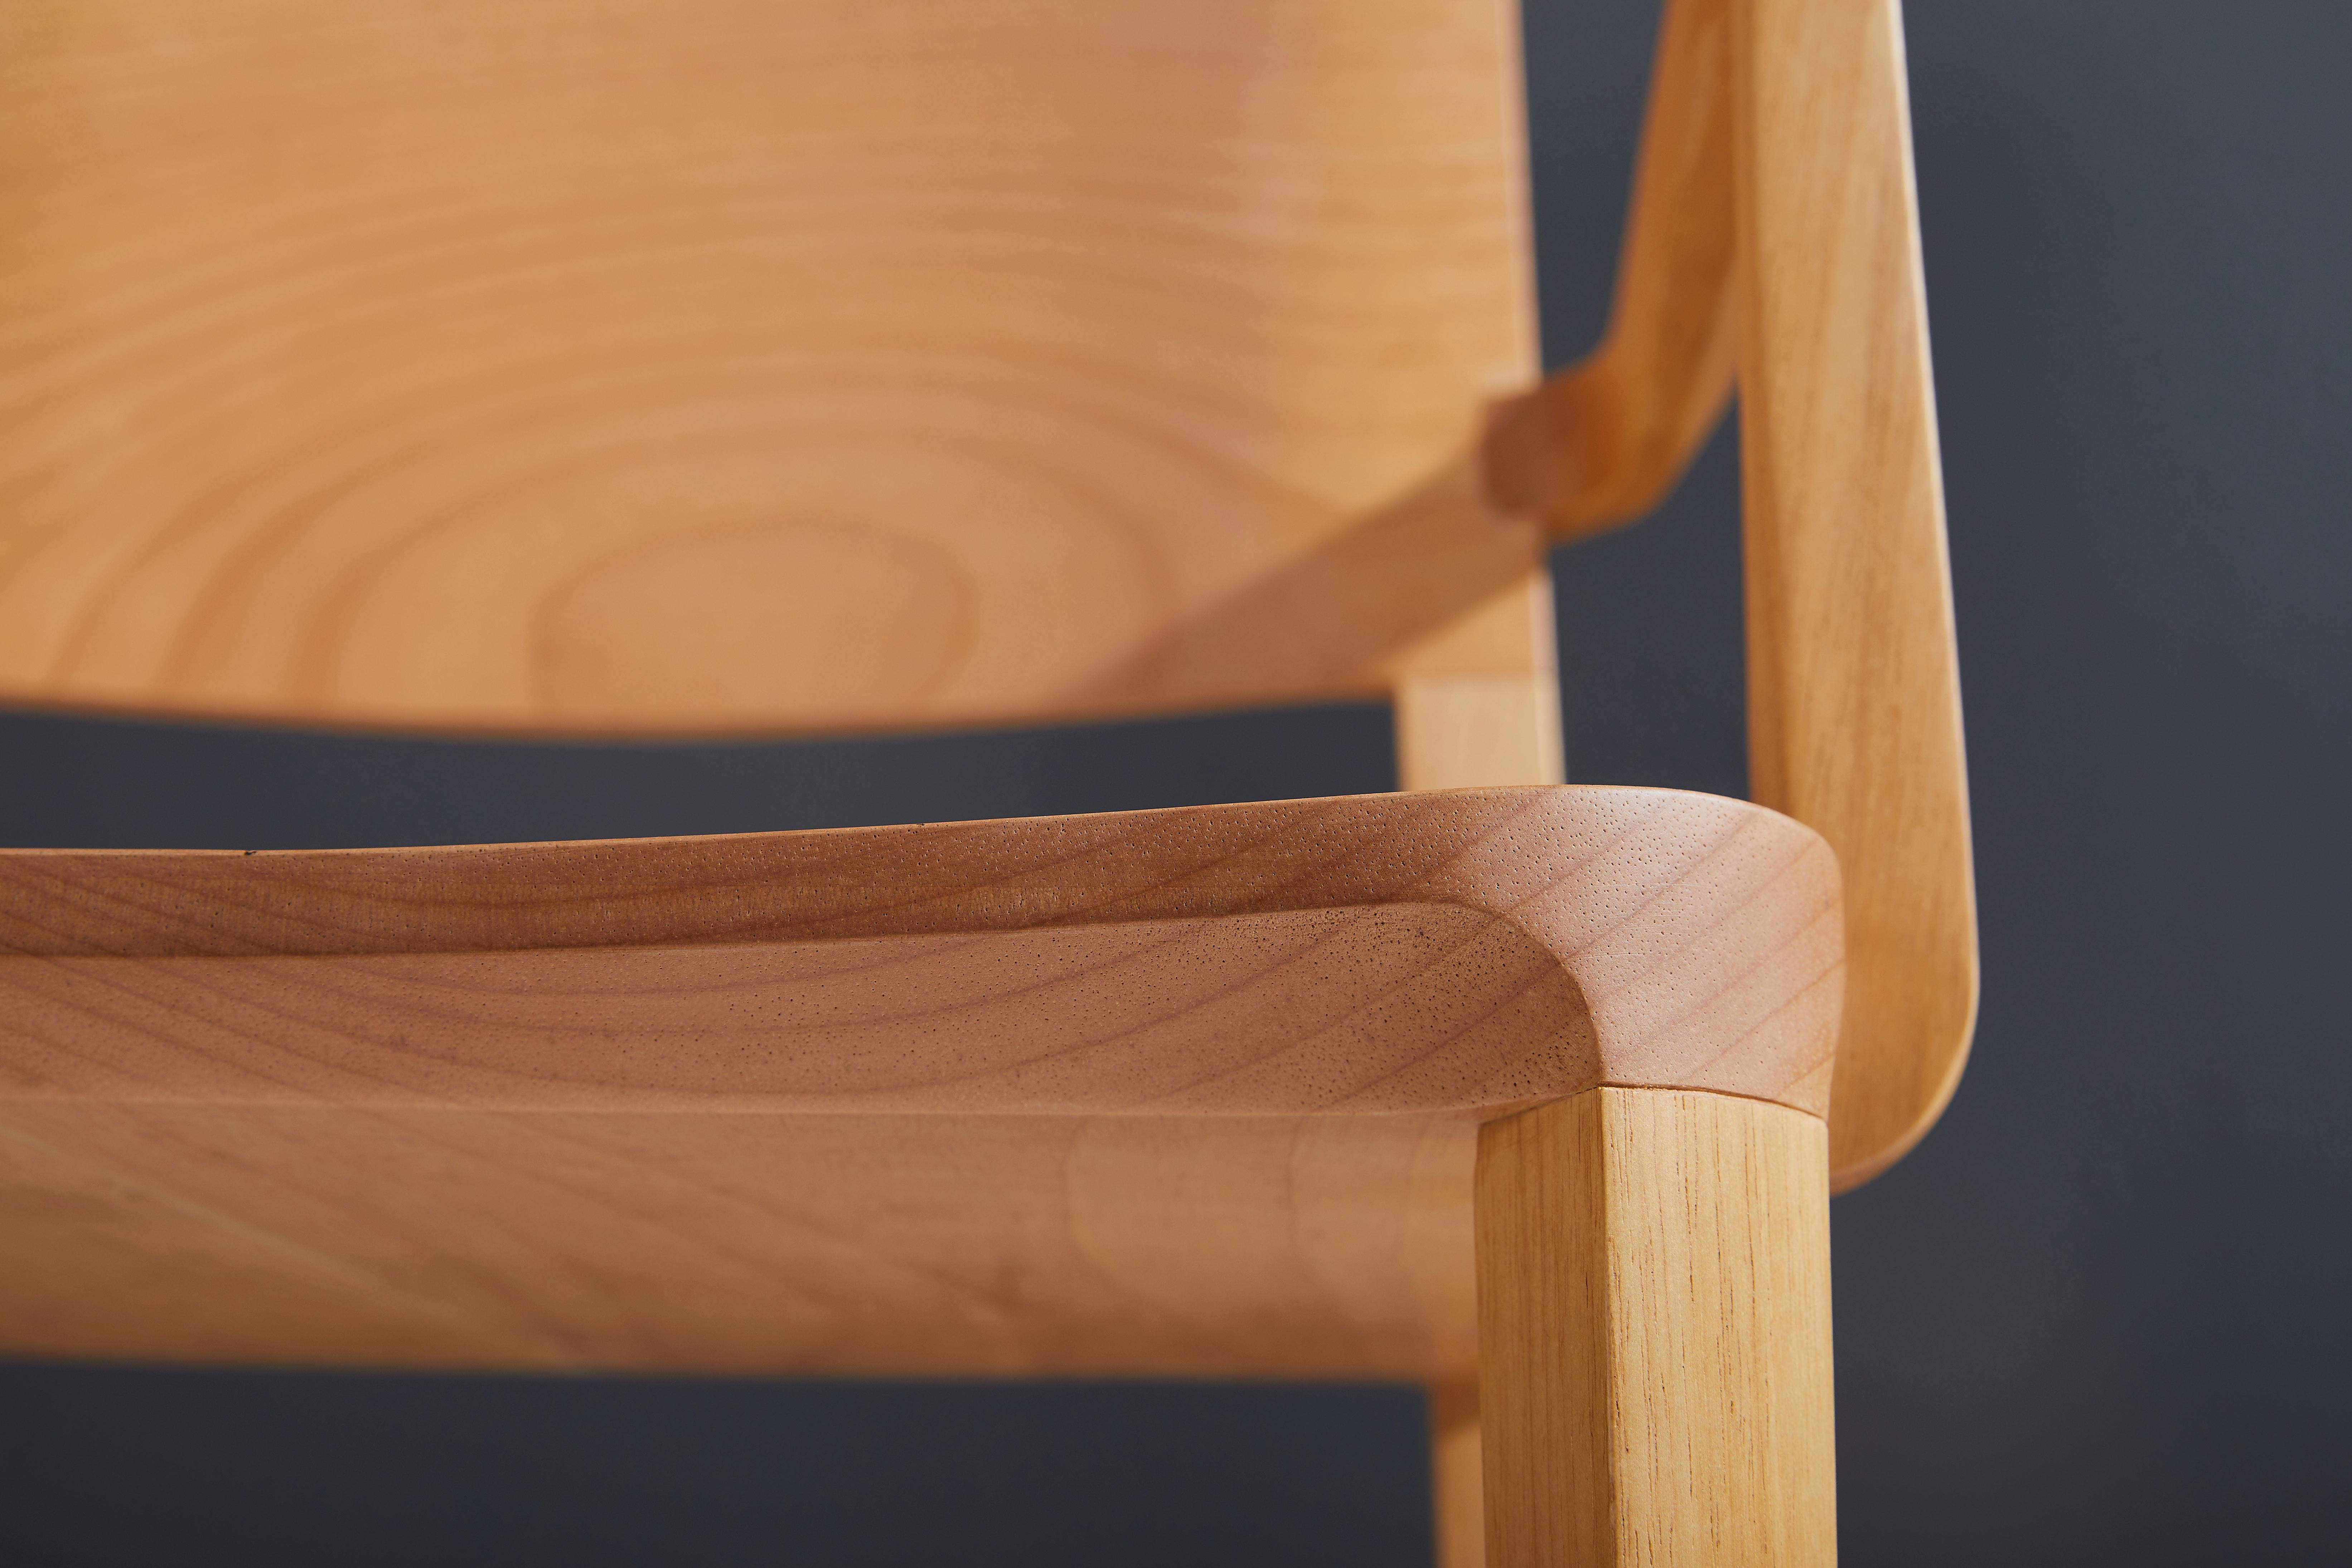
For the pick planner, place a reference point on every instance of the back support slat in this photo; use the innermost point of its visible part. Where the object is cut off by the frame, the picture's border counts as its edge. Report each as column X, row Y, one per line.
column 713, row 366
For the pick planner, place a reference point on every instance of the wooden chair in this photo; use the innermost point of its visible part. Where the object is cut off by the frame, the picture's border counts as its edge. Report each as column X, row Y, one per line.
column 818, row 366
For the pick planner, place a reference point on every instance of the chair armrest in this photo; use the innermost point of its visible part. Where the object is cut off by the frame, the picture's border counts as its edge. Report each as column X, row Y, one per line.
column 1600, row 444
column 1776, row 190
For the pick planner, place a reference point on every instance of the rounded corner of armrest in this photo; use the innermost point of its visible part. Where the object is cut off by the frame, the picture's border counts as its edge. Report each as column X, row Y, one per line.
column 1864, row 1146
column 1705, row 936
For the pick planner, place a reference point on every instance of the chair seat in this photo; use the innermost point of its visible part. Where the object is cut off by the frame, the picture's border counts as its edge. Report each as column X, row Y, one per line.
column 1169, row 1091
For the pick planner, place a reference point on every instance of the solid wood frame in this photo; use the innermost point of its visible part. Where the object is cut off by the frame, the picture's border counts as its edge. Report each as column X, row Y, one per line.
column 1653, row 1332
column 1653, row 1266
column 1651, row 1252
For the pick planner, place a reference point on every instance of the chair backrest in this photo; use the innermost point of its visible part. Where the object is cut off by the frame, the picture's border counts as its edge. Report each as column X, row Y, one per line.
column 700, row 365
column 818, row 365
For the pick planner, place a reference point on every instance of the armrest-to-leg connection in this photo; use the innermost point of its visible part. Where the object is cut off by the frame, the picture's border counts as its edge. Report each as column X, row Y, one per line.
column 1653, row 1323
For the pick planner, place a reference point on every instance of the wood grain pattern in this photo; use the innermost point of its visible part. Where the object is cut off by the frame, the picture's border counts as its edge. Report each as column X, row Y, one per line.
column 1654, row 1321
column 1776, row 169
column 1600, row 444
column 702, row 1242
column 702, row 367
column 1462, row 730
column 906, row 362
column 1187, row 1090
column 1455, row 953
column 1854, row 676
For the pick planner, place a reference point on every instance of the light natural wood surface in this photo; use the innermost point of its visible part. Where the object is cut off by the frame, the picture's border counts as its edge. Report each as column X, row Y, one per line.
column 1600, row 444
column 1184, row 1090
column 1458, row 729
column 693, row 1241
column 1653, row 1323
column 1853, row 680
column 1775, row 191
column 286, row 428
column 701, row 368
column 704, row 367
column 1461, row 723
column 1465, row 732
column 1441, row 953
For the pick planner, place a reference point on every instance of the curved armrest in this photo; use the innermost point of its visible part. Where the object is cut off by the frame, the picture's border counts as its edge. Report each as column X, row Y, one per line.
column 1776, row 189
column 1600, row 444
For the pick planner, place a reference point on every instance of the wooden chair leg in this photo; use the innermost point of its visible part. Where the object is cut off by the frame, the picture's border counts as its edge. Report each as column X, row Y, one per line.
column 1457, row 1489
column 1653, row 1325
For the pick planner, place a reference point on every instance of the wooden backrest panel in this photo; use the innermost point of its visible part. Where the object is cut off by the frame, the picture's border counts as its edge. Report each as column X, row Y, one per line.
column 711, row 365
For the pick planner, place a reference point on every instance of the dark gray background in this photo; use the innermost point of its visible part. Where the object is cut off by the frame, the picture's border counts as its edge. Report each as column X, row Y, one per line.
column 2100, row 1316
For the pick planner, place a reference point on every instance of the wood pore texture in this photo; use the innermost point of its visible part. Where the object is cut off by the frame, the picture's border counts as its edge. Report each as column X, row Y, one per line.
column 697, row 366
column 1774, row 196
column 1653, row 1321
column 717, row 368
column 1187, row 1090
